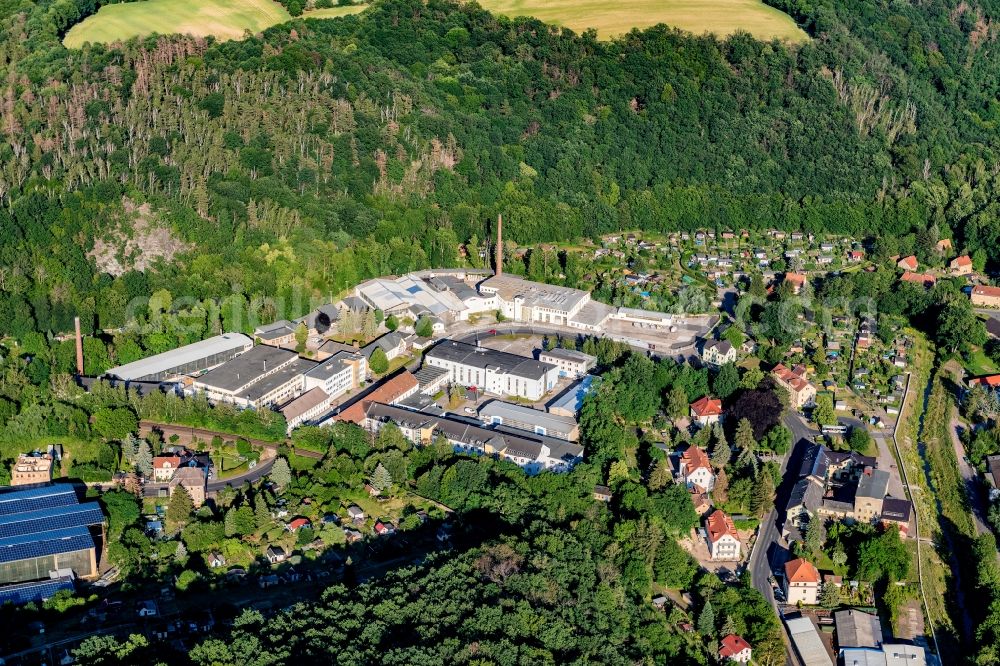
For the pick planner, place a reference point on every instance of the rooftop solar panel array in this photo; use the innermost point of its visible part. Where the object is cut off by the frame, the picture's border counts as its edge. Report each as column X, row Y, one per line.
column 33, row 499
column 25, row 546
column 22, row 593
column 56, row 518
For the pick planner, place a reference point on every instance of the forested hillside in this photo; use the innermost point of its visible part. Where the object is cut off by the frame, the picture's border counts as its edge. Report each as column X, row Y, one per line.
column 328, row 151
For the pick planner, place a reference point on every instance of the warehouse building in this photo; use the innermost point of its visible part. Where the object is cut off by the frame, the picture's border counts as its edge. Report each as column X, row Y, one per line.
column 491, row 371
column 186, row 360
column 45, row 530
column 521, row 300
column 261, row 377
column 496, row 412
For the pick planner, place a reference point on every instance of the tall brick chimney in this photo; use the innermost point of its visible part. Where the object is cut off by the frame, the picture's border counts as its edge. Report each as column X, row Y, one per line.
column 499, row 255
column 79, row 347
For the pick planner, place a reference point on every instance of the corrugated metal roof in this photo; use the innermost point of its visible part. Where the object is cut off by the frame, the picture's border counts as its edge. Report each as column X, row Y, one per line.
column 807, row 642
column 180, row 356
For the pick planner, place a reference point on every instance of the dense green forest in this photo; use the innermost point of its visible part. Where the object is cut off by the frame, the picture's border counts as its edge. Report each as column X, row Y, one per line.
column 293, row 164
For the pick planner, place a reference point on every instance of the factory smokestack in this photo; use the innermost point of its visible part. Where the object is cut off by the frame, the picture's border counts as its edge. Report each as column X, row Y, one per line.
column 499, row 256
column 79, row 347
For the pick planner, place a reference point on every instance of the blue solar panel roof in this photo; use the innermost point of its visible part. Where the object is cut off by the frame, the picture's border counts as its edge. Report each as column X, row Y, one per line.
column 44, row 520
column 33, row 499
column 24, row 546
column 22, row 593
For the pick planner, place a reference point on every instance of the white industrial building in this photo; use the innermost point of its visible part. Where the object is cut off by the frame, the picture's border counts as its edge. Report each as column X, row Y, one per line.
column 571, row 363
column 342, row 372
column 496, row 412
column 186, row 360
column 491, row 371
column 261, row 377
column 525, row 301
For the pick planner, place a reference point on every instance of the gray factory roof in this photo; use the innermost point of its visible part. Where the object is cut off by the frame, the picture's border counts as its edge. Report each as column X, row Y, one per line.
column 333, row 365
column 191, row 353
column 857, row 629
column 873, row 483
column 807, row 642
column 482, row 357
column 571, row 355
column 296, row 368
column 305, row 402
column 535, row 294
column 508, row 412
column 277, row 329
column 593, row 313
column 246, row 368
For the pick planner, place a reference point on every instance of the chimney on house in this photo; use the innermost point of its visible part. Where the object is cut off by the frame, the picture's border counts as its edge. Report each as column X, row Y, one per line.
column 499, row 256
column 79, row 347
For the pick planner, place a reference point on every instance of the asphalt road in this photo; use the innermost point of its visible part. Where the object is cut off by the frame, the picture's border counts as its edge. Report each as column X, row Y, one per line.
column 770, row 550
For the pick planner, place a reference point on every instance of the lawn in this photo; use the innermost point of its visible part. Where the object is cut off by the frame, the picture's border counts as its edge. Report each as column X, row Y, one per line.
column 225, row 19
column 721, row 17
column 978, row 363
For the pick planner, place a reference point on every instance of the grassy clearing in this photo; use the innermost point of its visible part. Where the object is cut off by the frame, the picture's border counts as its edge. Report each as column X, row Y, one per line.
column 937, row 576
column 978, row 363
column 223, row 19
column 721, row 17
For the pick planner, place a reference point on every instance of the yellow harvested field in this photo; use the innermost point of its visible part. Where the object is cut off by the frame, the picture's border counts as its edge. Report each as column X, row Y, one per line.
column 225, row 19
column 611, row 19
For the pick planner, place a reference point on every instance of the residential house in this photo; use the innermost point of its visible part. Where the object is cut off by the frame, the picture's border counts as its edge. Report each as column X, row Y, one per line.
column 870, row 493
column 961, row 265
column 800, row 390
column 192, row 479
column 147, row 608
column 275, row 554
column 352, row 536
column 855, row 256
column 925, row 280
column 990, row 382
column 696, row 469
column 164, row 467
column 701, row 501
column 796, row 281
column 908, row 263
column 384, row 529
column 802, row 582
column 706, row 411
column 216, row 560
column 392, row 343
column 944, row 245
column 298, row 524
column 984, row 296
column 602, row 493
column 735, row 648
column 896, row 512
column 356, row 513
column 718, row 352
column 723, row 541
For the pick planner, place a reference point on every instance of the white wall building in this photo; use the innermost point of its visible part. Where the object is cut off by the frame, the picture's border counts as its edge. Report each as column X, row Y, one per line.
column 261, row 377
column 338, row 374
column 491, row 371
column 571, row 363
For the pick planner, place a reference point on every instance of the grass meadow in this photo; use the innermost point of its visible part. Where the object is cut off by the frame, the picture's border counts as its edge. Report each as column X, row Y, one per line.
column 225, row 19
column 610, row 19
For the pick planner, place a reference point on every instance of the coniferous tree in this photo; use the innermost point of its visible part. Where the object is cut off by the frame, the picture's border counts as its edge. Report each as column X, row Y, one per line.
column 180, row 506
column 144, row 459
column 706, row 620
column 380, row 479
column 281, row 473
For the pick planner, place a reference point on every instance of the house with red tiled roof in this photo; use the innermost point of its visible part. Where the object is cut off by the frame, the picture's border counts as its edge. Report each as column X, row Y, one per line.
column 908, row 263
column 706, row 411
column 854, row 256
column 396, row 388
column 796, row 280
column 800, row 390
column 925, row 280
column 696, row 469
column 802, row 582
column 164, row 467
column 984, row 296
column 961, row 265
column 735, row 648
column 297, row 524
column 986, row 381
column 723, row 541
